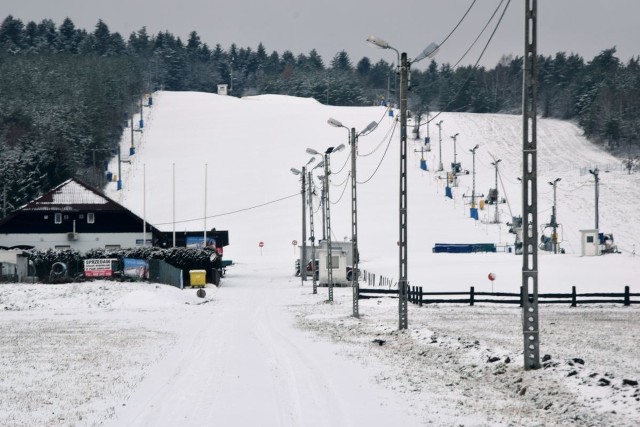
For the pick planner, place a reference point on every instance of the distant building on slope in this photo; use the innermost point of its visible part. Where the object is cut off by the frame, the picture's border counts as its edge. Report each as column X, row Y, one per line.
column 75, row 215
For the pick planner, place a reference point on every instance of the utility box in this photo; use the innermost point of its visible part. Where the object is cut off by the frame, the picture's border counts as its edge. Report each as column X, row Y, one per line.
column 222, row 89
column 339, row 264
column 589, row 242
column 198, row 278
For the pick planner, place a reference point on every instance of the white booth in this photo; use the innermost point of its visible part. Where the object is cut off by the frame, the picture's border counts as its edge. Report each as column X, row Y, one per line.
column 590, row 243
column 339, row 263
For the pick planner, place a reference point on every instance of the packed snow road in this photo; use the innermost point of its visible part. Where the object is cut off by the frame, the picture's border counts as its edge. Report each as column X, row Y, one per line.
column 242, row 362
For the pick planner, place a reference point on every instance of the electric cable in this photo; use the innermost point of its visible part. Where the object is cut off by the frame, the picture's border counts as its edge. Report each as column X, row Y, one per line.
column 383, row 156
column 379, row 144
column 343, row 191
column 475, row 66
column 231, row 212
column 458, row 24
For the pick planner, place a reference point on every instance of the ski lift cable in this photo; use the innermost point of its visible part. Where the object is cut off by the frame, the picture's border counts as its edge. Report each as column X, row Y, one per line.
column 383, row 156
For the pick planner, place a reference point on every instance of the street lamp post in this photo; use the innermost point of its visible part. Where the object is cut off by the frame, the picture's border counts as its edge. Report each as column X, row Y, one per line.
column 454, row 166
column 313, row 236
column 497, row 217
column 327, row 171
column 473, row 212
column 595, row 173
column 303, row 254
column 404, row 66
column 554, row 218
column 355, row 254
column 439, row 124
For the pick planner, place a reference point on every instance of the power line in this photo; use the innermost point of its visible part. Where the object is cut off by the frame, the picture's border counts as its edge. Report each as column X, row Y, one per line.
column 231, row 212
column 458, row 24
column 475, row 66
column 383, row 156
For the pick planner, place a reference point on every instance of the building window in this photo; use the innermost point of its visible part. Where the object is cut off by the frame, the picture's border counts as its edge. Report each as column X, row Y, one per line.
column 46, row 217
column 66, row 217
column 91, row 218
column 589, row 239
column 81, row 216
column 62, row 247
column 57, row 218
column 111, row 247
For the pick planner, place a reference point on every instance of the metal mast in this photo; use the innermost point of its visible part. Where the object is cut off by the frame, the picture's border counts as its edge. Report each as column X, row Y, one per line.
column 530, row 319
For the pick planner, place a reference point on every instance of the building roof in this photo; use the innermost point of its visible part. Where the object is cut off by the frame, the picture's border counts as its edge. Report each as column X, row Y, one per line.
column 70, row 195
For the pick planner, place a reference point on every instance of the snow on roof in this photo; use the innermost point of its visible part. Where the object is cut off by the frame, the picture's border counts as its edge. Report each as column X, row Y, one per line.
column 69, row 193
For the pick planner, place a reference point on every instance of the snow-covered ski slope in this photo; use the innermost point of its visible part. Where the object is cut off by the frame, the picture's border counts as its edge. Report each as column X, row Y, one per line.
column 249, row 145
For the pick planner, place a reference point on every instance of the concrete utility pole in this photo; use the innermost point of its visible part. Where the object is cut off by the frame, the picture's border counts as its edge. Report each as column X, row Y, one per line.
column 312, row 239
column 404, row 67
column 595, row 173
column 402, row 279
column 327, row 171
column 530, row 321
column 303, row 255
column 355, row 253
column 439, row 124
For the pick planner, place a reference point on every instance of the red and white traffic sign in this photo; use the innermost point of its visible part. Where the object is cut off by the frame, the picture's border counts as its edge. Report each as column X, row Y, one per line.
column 294, row 243
column 261, row 244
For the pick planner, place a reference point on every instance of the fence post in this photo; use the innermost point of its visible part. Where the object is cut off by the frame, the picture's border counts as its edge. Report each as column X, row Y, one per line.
column 573, row 296
column 521, row 296
column 420, row 296
column 627, row 301
column 472, row 294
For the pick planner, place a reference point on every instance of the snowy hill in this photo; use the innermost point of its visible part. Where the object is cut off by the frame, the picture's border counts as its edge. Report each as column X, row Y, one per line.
column 250, row 144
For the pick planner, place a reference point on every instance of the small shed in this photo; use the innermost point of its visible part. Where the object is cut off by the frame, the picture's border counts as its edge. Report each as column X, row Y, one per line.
column 338, row 265
column 222, row 89
column 589, row 242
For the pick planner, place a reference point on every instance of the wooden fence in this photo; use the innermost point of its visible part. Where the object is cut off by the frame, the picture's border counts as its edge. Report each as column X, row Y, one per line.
column 417, row 296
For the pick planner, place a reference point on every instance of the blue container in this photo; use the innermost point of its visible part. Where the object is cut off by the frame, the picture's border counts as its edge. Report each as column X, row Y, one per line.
column 447, row 192
column 109, row 176
column 423, row 165
column 132, row 151
column 427, row 140
column 141, row 123
column 105, row 163
column 473, row 212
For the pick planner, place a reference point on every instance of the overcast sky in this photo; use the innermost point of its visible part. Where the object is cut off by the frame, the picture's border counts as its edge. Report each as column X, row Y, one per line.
column 585, row 27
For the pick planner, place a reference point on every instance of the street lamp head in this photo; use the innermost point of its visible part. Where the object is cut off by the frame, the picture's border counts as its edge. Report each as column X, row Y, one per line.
column 378, row 42
column 428, row 52
column 335, row 123
column 311, row 160
column 319, row 165
column 338, row 148
column 295, row 171
column 312, row 152
column 455, row 136
column 369, row 128
column 439, row 123
column 473, row 150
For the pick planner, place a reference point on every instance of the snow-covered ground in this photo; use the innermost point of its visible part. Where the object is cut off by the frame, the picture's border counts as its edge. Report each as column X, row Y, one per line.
column 264, row 350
